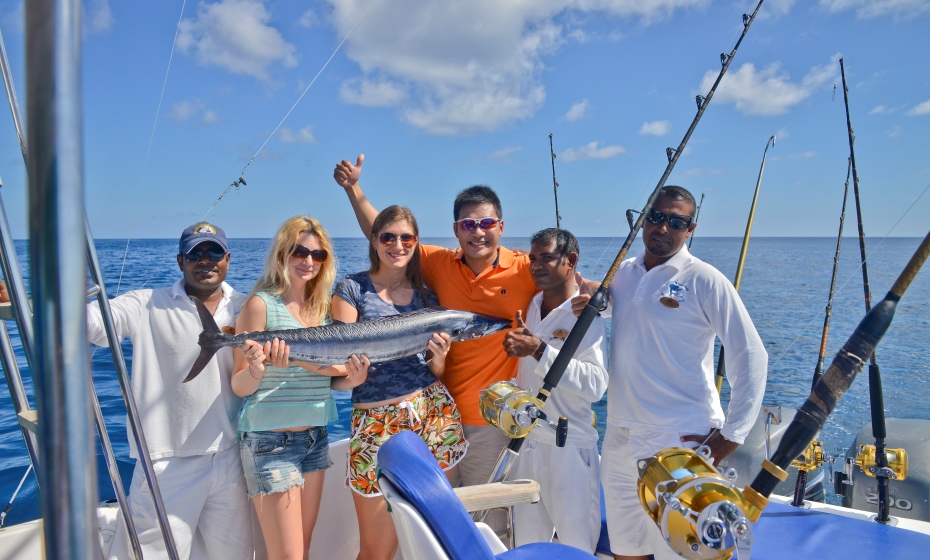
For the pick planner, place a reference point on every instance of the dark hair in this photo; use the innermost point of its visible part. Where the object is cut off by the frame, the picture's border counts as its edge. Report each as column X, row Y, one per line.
column 565, row 242
column 477, row 194
column 674, row 192
column 414, row 275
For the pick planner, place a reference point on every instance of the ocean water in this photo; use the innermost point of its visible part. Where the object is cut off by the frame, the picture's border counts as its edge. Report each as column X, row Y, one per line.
column 784, row 286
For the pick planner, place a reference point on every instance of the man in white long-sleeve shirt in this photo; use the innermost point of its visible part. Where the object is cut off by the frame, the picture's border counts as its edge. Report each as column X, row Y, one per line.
column 568, row 476
column 190, row 428
column 667, row 307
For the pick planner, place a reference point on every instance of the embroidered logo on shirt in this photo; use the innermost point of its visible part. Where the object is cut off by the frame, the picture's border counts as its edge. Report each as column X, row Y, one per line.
column 672, row 294
column 559, row 333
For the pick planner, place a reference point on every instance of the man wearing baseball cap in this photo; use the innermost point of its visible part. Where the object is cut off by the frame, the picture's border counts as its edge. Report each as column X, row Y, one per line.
column 190, row 428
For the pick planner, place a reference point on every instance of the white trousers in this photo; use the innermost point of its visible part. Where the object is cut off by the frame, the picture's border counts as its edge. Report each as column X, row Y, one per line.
column 632, row 532
column 569, row 503
column 208, row 509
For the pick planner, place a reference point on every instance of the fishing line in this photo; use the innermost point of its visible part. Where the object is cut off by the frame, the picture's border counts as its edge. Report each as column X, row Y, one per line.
column 145, row 165
column 9, row 505
column 872, row 252
column 241, row 180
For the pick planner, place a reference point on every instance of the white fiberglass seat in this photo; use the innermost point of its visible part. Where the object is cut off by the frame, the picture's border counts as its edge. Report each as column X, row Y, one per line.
column 431, row 522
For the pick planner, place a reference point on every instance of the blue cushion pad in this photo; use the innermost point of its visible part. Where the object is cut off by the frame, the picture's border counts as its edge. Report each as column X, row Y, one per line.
column 408, row 464
column 543, row 551
column 785, row 532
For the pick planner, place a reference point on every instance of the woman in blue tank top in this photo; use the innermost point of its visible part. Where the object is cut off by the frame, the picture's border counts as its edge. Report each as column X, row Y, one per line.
column 284, row 445
column 402, row 394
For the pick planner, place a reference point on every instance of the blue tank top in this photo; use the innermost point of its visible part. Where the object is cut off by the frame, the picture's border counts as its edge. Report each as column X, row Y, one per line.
column 289, row 397
column 394, row 378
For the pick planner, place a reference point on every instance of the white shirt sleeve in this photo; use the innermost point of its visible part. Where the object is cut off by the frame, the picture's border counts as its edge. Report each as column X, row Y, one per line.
column 586, row 375
column 745, row 358
column 127, row 312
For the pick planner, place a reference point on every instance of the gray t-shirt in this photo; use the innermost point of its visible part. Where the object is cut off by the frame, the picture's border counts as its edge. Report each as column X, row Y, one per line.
column 394, row 378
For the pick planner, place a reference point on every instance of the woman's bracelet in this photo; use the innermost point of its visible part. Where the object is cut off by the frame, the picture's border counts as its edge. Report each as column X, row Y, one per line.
column 253, row 376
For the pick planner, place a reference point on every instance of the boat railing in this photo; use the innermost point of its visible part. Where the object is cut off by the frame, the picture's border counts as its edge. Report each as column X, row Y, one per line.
column 22, row 314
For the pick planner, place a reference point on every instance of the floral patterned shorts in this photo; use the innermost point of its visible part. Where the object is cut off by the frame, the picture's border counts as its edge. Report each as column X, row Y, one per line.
column 432, row 415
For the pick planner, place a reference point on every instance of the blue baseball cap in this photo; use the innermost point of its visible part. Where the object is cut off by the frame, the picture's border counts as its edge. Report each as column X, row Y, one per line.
column 201, row 232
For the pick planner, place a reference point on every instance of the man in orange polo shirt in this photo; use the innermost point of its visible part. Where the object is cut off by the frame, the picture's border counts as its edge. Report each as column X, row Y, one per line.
column 482, row 277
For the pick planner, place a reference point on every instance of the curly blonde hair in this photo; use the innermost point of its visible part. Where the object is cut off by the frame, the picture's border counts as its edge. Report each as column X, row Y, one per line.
column 274, row 279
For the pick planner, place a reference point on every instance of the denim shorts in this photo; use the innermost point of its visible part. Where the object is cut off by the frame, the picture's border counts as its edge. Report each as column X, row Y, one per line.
column 276, row 461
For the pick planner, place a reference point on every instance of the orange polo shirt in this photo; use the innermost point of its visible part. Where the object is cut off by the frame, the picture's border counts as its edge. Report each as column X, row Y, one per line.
column 500, row 291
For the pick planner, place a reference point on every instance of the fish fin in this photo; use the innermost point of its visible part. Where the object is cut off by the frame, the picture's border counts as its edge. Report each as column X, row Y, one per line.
column 208, row 340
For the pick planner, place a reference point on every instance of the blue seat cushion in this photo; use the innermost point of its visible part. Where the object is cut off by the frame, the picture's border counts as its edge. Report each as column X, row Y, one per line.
column 408, row 464
column 543, row 551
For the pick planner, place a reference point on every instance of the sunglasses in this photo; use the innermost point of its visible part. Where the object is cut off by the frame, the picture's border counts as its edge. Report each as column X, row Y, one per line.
column 213, row 255
column 675, row 221
column 387, row 239
column 301, row 252
column 469, row 224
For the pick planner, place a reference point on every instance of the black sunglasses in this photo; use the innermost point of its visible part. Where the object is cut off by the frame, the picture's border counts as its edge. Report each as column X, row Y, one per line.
column 301, row 252
column 406, row 239
column 469, row 224
column 213, row 255
column 675, row 221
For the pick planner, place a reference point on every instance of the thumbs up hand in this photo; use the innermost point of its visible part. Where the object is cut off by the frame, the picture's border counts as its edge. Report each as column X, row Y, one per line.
column 346, row 174
column 520, row 342
column 584, row 295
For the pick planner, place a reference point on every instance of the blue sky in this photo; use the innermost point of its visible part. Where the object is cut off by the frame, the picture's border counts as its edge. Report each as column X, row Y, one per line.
column 443, row 94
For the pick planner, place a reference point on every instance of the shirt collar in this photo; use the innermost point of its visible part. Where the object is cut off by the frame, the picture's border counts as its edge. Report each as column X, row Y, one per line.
column 679, row 261
column 505, row 258
column 178, row 291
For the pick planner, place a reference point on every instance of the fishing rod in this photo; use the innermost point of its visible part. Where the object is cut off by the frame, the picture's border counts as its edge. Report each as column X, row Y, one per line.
column 599, row 298
column 800, row 486
column 721, row 367
column 697, row 214
column 555, row 186
column 876, row 400
column 702, row 513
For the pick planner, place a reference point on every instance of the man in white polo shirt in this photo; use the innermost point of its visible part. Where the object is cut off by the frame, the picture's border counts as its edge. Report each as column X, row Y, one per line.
column 667, row 307
column 190, row 428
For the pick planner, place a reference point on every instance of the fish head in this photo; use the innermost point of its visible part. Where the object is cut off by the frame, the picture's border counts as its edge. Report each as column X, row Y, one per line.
column 470, row 326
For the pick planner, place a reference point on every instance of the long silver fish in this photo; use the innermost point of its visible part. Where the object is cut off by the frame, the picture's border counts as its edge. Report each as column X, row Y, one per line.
column 381, row 340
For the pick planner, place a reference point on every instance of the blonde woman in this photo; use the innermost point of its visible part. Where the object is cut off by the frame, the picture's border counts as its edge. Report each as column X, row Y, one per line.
column 402, row 394
column 284, row 443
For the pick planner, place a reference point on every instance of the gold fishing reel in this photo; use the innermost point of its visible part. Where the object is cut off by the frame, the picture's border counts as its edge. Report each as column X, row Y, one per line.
column 514, row 411
column 897, row 462
column 699, row 511
column 812, row 457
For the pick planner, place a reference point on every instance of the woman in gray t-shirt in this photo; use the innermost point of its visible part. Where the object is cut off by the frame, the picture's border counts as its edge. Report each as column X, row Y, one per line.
column 402, row 394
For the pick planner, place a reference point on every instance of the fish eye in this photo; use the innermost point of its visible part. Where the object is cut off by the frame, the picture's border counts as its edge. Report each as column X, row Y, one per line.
column 456, row 332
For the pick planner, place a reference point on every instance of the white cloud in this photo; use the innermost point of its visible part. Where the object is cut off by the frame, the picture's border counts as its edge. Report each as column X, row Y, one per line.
column 308, row 19
column 781, row 134
column 769, row 91
column 577, row 111
column 209, row 117
column 504, row 154
column 920, row 110
column 302, row 136
column 894, row 131
column 879, row 110
column 865, row 9
column 592, row 151
column 372, row 93
column 655, row 128
column 777, row 8
column 98, row 17
column 473, row 66
column 235, row 35
column 184, row 110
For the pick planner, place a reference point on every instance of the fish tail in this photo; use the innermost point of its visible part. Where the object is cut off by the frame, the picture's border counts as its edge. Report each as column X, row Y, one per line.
column 209, row 340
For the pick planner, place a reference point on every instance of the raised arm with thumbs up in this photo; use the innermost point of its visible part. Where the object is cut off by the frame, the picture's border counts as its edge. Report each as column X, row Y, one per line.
column 520, row 342
column 347, row 175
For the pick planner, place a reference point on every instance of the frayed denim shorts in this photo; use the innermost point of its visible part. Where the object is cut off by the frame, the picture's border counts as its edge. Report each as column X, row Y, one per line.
column 276, row 461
